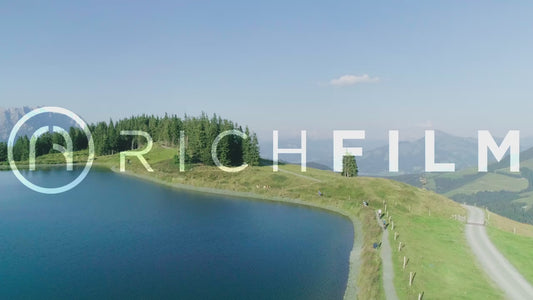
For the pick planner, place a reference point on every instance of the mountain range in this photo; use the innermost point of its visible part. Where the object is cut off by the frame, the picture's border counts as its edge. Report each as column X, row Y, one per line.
column 10, row 116
column 448, row 148
column 375, row 160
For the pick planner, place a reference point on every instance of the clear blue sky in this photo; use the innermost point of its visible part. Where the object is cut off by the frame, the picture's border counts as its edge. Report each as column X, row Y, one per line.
column 458, row 66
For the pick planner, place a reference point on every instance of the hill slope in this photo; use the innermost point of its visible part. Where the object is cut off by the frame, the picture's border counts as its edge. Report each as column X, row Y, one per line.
column 433, row 240
column 448, row 148
column 508, row 194
column 514, row 240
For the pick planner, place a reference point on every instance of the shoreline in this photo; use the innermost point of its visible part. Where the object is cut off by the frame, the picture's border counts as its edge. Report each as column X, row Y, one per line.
column 354, row 262
column 354, row 257
column 7, row 167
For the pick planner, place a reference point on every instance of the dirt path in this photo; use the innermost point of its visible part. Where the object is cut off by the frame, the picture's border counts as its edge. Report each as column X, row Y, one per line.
column 510, row 281
column 386, row 261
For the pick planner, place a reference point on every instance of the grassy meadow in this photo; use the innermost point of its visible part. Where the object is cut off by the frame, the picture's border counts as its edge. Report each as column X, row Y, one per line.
column 491, row 182
column 515, row 241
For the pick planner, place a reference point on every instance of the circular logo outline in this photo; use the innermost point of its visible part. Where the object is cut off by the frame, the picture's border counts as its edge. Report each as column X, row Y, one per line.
column 11, row 142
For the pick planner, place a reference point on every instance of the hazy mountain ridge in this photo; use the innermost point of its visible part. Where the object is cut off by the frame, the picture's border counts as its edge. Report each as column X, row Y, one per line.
column 8, row 119
column 375, row 160
column 319, row 151
column 448, row 148
column 10, row 116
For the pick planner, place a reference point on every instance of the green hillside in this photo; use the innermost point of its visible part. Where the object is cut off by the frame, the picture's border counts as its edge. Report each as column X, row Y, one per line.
column 491, row 182
column 509, row 194
column 514, row 240
column 432, row 239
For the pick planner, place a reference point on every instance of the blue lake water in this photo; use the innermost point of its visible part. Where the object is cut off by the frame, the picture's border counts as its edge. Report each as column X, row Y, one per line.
column 117, row 237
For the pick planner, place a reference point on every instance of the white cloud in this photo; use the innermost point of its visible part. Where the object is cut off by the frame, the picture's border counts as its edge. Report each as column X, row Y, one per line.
column 347, row 80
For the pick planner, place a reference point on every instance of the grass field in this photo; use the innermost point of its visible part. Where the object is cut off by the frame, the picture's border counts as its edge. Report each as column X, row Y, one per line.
column 491, row 182
column 515, row 242
column 527, row 164
column 516, row 248
column 51, row 159
column 526, row 199
column 435, row 246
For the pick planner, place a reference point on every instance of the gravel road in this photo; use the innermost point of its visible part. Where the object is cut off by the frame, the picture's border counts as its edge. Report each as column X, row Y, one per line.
column 510, row 281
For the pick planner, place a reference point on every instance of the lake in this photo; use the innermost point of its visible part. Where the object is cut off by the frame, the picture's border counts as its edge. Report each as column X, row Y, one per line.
column 118, row 237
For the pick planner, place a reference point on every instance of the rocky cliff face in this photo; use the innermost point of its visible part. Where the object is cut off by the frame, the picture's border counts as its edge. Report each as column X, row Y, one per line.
column 8, row 119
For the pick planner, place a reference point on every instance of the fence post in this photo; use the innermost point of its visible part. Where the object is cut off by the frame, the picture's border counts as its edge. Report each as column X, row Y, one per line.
column 404, row 262
column 411, row 277
column 399, row 246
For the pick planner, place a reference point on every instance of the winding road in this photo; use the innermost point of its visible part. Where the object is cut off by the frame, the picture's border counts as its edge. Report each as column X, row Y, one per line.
column 510, row 281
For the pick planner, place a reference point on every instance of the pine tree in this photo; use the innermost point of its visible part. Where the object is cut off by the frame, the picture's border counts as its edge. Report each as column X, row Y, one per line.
column 349, row 166
column 253, row 151
column 79, row 140
column 224, row 146
column 235, row 146
column 101, row 141
column 246, row 146
column 164, row 131
column 3, row 152
column 21, row 149
column 200, row 133
column 112, row 138
column 44, row 144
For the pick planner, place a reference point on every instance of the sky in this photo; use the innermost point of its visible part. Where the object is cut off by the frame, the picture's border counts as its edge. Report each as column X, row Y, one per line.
column 456, row 66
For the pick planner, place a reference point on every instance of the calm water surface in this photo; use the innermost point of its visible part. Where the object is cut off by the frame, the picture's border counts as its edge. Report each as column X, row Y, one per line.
column 117, row 237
